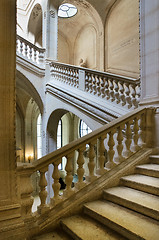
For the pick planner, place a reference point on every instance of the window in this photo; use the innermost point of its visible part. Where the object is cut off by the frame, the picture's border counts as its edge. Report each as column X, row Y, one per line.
column 67, row 10
column 59, row 139
column 84, row 129
column 39, row 137
column 59, row 135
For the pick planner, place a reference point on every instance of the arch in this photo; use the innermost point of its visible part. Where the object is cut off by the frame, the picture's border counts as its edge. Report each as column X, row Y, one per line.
column 52, row 125
column 35, row 24
column 122, row 43
column 23, row 82
column 87, row 15
column 85, row 46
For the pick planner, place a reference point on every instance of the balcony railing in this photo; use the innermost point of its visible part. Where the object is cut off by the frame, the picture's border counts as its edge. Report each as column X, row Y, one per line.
column 114, row 88
column 120, row 139
column 30, row 52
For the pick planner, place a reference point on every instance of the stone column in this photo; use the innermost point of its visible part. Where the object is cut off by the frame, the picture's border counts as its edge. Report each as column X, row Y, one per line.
column 10, row 223
column 149, row 49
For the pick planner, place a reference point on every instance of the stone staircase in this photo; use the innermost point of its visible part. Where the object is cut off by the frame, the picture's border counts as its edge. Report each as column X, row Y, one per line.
column 128, row 211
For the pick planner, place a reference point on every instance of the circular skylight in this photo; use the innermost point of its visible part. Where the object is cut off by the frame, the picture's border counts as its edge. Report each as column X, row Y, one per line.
column 67, row 10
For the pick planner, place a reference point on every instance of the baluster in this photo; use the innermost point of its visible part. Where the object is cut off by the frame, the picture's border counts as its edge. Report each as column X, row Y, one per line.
column 80, row 170
column 133, row 95
column 77, row 79
column 101, row 158
column 30, row 52
column 43, row 192
column 107, row 94
column 56, row 185
column 142, row 132
column 116, row 91
column 138, row 92
column 63, row 74
column 26, row 50
column 69, row 178
column 110, row 164
column 121, row 93
column 128, row 140
column 21, row 47
column 41, row 57
column 136, row 134
column 66, row 76
column 71, row 77
column 35, row 55
column 102, row 87
column 74, row 78
column 86, row 82
column 91, row 163
column 58, row 73
column 127, row 96
column 94, row 88
column 98, row 89
column 120, row 157
column 111, row 90
column 90, row 83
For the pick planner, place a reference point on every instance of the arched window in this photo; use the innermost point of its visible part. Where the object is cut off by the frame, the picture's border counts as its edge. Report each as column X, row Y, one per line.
column 59, row 135
column 59, row 139
column 67, row 10
column 39, row 137
column 84, row 129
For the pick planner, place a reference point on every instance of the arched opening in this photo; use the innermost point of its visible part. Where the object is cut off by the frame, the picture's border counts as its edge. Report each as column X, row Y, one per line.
column 35, row 26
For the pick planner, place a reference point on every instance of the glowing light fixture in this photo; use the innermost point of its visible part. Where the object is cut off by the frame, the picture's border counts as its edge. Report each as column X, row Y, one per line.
column 67, row 10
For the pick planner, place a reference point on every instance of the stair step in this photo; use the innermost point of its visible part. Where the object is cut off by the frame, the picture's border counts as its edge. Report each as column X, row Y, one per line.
column 55, row 235
column 148, row 169
column 85, row 228
column 154, row 159
column 141, row 182
column 130, row 224
column 141, row 202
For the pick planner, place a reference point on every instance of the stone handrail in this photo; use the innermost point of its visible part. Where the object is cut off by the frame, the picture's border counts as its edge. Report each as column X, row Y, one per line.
column 114, row 88
column 120, row 139
column 29, row 51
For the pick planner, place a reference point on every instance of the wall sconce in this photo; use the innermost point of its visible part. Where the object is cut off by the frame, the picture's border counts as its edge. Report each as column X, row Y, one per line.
column 29, row 157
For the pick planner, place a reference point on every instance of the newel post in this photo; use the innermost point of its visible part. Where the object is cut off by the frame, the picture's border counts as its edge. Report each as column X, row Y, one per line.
column 82, row 79
column 150, row 126
column 25, row 188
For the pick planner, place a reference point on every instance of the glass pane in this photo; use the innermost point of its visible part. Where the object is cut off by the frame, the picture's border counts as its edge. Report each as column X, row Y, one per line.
column 67, row 10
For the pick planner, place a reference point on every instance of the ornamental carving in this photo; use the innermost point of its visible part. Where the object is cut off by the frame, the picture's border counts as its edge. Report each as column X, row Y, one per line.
column 52, row 13
column 36, row 11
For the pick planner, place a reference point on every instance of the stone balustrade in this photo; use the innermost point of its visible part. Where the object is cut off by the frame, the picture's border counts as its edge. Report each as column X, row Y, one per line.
column 119, row 139
column 30, row 51
column 114, row 88
column 65, row 73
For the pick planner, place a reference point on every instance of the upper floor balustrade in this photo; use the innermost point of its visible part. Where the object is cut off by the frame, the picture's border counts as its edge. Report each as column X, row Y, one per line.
column 114, row 88
column 29, row 51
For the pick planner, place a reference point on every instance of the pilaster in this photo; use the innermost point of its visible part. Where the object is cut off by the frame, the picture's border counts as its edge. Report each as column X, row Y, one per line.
column 11, row 225
column 149, row 51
